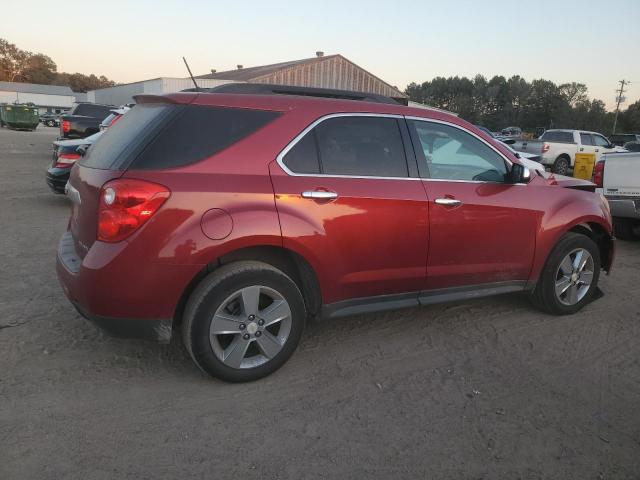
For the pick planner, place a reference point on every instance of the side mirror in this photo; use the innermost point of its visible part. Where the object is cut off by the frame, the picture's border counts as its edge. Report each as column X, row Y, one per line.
column 520, row 174
column 82, row 149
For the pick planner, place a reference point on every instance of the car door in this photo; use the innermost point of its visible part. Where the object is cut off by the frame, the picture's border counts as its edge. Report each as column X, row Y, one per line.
column 602, row 146
column 587, row 145
column 352, row 205
column 482, row 227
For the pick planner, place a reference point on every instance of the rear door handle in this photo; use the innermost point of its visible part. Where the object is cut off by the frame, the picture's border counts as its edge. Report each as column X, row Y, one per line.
column 319, row 195
column 448, row 202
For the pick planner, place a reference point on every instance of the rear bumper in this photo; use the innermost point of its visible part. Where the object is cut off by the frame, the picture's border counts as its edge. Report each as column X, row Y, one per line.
column 57, row 178
column 624, row 207
column 116, row 289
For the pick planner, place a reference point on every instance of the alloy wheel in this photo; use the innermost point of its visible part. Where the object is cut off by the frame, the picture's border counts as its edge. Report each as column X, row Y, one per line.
column 250, row 327
column 574, row 276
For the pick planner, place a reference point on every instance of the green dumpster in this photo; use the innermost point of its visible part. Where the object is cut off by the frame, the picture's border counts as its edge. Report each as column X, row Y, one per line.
column 19, row 116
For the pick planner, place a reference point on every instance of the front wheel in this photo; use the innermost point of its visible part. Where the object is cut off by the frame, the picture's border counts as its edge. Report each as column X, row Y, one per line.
column 243, row 321
column 569, row 277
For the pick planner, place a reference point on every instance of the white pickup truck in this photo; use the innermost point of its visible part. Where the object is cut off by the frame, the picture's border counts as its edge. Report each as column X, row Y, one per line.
column 617, row 177
column 558, row 148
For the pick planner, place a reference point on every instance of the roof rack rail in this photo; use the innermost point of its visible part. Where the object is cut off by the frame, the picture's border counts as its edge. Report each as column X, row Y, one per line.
column 268, row 89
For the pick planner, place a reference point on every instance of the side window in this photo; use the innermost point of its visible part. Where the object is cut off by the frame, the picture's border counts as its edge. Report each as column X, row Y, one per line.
column 450, row 153
column 585, row 139
column 600, row 141
column 303, row 157
column 361, row 146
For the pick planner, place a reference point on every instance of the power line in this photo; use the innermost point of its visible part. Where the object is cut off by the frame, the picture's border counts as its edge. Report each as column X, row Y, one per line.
column 618, row 101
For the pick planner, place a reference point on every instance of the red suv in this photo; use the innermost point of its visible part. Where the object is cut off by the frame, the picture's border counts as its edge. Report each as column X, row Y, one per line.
column 242, row 211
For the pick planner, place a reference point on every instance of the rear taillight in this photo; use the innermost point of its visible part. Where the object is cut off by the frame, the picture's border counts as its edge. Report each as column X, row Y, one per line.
column 125, row 205
column 66, row 160
column 115, row 119
column 545, row 147
column 65, row 126
column 598, row 174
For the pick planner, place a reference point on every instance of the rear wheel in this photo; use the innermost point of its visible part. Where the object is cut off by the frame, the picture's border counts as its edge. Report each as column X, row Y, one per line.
column 243, row 321
column 570, row 275
column 561, row 166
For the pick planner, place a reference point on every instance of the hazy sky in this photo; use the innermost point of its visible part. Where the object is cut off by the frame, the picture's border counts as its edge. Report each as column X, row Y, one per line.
column 587, row 41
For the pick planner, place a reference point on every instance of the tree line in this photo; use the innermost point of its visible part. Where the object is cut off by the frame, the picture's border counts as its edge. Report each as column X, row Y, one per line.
column 17, row 65
column 540, row 104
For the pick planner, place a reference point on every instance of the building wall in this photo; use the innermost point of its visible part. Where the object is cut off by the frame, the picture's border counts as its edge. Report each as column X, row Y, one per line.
column 122, row 94
column 44, row 102
column 334, row 72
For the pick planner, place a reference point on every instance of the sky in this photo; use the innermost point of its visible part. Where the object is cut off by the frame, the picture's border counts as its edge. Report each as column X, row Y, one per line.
column 585, row 41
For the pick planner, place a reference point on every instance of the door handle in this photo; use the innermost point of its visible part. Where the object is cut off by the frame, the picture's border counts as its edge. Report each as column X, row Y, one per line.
column 319, row 195
column 597, row 150
column 582, row 149
column 448, row 202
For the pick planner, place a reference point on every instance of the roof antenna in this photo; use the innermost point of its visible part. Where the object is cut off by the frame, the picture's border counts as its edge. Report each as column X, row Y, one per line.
column 191, row 74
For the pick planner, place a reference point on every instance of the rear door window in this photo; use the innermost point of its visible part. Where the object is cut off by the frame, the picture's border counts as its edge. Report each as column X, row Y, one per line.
column 198, row 132
column 361, row 146
column 303, row 157
column 90, row 110
column 585, row 139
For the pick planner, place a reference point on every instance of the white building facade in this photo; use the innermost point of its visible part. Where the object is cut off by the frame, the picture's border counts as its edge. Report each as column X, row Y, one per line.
column 48, row 98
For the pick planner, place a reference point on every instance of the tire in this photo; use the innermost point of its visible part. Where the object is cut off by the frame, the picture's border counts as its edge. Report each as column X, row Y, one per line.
column 219, row 303
column 623, row 228
column 561, row 166
column 545, row 296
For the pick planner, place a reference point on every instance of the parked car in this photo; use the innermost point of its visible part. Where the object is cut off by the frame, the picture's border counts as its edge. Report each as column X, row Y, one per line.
column 19, row 116
column 620, row 139
column 558, row 148
column 50, row 119
column 510, row 133
column 83, row 120
column 618, row 175
column 115, row 115
column 531, row 160
column 239, row 215
column 65, row 154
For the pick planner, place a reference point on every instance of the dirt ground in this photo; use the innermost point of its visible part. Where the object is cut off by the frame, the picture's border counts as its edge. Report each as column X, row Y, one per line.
column 484, row 389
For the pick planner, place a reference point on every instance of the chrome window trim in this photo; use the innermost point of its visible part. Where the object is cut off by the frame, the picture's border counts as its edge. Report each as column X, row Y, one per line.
column 292, row 143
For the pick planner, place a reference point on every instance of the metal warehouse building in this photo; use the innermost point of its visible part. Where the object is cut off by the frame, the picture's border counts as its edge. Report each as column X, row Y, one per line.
column 123, row 94
column 331, row 71
column 48, row 98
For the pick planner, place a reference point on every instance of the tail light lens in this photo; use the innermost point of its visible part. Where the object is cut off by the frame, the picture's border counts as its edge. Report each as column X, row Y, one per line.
column 115, row 119
column 126, row 205
column 545, row 147
column 65, row 126
column 598, row 174
column 66, row 160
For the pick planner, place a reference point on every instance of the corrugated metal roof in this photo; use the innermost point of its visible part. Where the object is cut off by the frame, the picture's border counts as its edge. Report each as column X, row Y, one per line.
column 333, row 76
column 247, row 74
column 36, row 88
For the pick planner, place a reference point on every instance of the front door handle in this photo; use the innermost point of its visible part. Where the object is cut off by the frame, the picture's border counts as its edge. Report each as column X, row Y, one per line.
column 319, row 195
column 597, row 150
column 448, row 202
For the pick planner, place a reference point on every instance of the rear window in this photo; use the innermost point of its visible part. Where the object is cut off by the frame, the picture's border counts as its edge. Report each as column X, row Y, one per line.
column 90, row 110
column 120, row 143
column 198, row 132
column 559, row 137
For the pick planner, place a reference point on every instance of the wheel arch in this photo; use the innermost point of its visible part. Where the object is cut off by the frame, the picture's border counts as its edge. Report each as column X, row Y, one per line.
column 291, row 263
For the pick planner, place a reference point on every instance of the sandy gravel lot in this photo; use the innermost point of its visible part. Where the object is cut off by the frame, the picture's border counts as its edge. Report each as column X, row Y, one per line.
column 484, row 389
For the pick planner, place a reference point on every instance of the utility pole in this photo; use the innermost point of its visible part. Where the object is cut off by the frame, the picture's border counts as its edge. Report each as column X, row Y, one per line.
column 619, row 99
